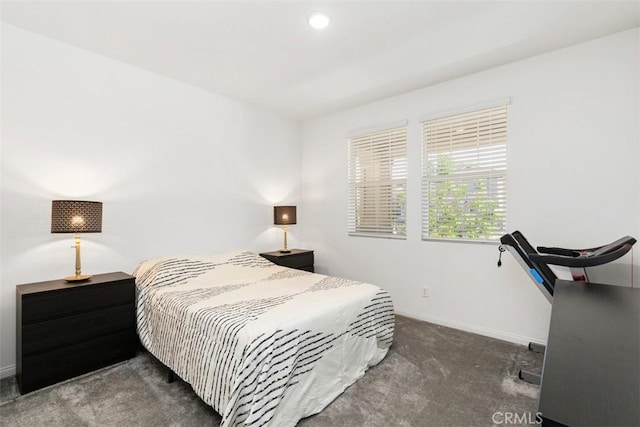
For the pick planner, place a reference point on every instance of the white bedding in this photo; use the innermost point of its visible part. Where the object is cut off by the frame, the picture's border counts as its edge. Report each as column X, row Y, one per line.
column 262, row 344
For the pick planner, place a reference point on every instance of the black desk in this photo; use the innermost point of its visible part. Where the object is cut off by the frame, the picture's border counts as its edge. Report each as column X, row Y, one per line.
column 591, row 374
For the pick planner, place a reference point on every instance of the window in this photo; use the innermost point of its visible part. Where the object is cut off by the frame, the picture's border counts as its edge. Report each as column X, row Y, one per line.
column 378, row 183
column 464, row 175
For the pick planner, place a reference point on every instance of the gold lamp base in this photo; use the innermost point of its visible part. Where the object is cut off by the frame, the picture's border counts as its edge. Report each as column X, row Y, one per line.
column 285, row 250
column 78, row 278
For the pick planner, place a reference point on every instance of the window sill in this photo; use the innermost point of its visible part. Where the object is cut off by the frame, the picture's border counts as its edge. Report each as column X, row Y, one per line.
column 380, row 236
column 452, row 240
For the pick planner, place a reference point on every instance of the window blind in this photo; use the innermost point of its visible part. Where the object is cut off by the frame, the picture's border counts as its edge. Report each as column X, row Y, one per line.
column 464, row 175
column 377, row 183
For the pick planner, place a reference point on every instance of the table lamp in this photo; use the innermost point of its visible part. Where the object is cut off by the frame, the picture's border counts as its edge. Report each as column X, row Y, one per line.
column 284, row 215
column 76, row 216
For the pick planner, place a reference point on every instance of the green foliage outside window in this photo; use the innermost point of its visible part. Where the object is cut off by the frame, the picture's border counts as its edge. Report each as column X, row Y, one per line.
column 400, row 214
column 460, row 207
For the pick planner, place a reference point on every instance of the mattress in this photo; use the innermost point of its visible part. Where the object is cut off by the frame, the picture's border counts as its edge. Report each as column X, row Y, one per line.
column 261, row 343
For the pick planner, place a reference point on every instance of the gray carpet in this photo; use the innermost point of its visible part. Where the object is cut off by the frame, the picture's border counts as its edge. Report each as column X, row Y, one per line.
column 432, row 376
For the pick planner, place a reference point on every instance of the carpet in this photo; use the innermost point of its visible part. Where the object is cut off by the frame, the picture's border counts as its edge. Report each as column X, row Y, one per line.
column 432, row 376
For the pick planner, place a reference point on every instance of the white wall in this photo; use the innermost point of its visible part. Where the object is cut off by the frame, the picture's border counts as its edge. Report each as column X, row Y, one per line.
column 573, row 182
column 182, row 170
column 179, row 169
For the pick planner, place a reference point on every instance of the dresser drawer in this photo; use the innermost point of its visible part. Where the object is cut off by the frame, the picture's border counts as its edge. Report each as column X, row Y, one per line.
column 43, row 369
column 37, row 337
column 298, row 260
column 48, row 305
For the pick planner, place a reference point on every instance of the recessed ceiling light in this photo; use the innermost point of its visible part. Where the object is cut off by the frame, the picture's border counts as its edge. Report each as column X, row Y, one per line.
column 318, row 20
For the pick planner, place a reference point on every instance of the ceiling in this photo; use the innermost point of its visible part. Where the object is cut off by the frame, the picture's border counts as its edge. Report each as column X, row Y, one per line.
column 265, row 53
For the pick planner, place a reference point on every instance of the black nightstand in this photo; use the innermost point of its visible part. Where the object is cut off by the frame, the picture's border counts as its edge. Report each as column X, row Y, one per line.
column 68, row 329
column 301, row 259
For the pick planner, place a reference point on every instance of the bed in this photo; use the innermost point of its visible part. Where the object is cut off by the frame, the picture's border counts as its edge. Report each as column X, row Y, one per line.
column 261, row 343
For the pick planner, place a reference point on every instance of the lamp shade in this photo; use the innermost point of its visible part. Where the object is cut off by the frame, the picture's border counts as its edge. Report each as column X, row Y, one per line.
column 76, row 216
column 284, row 215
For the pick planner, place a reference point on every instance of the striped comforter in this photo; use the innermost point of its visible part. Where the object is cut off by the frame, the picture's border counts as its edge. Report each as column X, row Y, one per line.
column 262, row 344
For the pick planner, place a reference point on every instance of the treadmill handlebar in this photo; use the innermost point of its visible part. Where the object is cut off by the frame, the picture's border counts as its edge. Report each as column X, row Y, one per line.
column 559, row 251
column 584, row 257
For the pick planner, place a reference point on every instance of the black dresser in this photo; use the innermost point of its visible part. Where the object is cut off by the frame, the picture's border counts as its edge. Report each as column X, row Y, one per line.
column 68, row 329
column 301, row 259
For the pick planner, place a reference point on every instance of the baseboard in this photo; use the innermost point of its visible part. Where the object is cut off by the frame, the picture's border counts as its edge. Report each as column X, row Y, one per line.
column 7, row 371
column 468, row 327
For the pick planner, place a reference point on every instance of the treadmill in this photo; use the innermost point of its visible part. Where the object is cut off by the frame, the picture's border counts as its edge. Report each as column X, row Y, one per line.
column 536, row 264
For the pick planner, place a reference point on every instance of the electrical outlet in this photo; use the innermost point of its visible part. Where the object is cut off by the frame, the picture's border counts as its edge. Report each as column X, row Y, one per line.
column 425, row 291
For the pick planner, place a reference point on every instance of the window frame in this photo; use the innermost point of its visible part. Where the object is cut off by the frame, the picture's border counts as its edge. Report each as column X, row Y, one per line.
column 395, row 136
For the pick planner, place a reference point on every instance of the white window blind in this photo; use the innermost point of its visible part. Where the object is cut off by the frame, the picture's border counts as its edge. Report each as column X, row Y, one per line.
column 377, row 183
column 464, row 175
